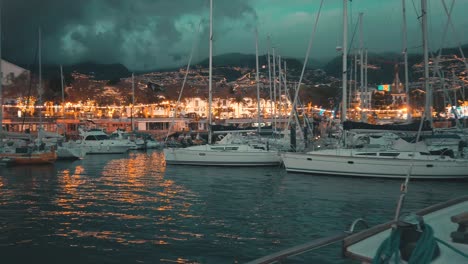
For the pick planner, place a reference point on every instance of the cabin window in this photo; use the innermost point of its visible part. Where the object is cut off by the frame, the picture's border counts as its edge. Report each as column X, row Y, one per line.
column 367, row 154
column 232, row 148
column 102, row 137
column 90, row 138
column 217, row 148
column 389, row 154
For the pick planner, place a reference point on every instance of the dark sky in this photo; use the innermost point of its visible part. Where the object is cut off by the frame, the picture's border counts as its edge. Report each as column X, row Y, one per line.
column 151, row 34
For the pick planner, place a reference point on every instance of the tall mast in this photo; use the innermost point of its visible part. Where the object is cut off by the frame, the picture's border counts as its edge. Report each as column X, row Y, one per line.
column 405, row 57
column 1, row 76
column 355, row 76
column 285, row 81
column 350, row 99
column 426, row 62
column 210, row 72
column 257, row 80
column 63, row 92
column 361, row 67
column 279, row 86
column 344, row 107
column 286, row 92
column 366, row 92
column 274, row 88
column 269, row 77
column 39, row 89
column 133, row 100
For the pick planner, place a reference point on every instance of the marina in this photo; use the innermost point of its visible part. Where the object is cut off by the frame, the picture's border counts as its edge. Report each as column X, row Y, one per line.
column 126, row 154
column 131, row 208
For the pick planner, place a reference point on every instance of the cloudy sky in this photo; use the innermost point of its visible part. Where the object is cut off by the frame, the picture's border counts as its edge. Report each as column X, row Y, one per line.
column 152, row 34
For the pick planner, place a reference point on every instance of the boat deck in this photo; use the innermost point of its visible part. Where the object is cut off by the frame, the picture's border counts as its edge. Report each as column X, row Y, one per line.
column 362, row 246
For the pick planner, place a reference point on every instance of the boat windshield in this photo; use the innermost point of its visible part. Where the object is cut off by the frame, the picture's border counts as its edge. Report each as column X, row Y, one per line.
column 97, row 137
column 102, row 137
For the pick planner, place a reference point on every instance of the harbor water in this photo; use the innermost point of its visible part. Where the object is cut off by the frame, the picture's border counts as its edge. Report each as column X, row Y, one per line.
column 132, row 208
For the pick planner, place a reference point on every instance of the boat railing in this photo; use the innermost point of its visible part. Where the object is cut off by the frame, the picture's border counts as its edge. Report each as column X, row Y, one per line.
column 309, row 246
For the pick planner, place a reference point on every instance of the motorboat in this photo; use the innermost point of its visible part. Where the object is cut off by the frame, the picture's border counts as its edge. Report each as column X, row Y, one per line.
column 96, row 141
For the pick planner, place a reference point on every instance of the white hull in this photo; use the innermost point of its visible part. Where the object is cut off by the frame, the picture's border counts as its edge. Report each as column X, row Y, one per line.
column 323, row 163
column 153, row 144
column 219, row 155
column 95, row 141
column 133, row 146
column 83, row 148
column 64, row 153
column 104, row 149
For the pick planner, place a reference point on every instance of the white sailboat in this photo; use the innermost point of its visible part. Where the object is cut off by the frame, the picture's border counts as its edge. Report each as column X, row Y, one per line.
column 436, row 234
column 220, row 155
column 64, row 151
column 55, row 140
column 22, row 152
column 376, row 163
column 392, row 163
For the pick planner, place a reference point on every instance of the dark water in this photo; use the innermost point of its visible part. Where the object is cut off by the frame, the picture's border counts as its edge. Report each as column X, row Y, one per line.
column 133, row 209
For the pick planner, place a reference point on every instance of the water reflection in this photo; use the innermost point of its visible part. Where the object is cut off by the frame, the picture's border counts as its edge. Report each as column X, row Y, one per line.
column 133, row 209
column 122, row 200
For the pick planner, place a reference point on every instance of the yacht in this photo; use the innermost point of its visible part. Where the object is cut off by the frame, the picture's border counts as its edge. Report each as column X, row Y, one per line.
column 129, row 139
column 95, row 141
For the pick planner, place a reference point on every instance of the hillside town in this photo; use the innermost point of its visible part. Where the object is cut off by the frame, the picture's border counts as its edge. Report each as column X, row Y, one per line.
column 154, row 100
column 247, row 131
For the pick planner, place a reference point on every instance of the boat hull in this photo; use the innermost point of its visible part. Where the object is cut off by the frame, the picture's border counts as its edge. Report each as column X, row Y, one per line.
column 207, row 157
column 70, row 153
column 374, row 167
column 98, row 147
column 103, row 149
column 30, row 158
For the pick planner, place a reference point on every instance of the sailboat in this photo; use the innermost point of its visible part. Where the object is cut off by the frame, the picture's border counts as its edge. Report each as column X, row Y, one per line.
column 220, row 154
column 63, row 149
column 394, row 162
column 436, row 234
column 23, row 154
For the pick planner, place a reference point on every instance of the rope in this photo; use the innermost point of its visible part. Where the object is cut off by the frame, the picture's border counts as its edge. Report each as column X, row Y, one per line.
column 452, row 248
column 390, row 247
column 425, row 247
column 422, row 253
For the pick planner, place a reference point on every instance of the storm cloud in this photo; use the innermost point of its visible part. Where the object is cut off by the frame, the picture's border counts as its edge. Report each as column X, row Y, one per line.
column 152, row 34
column 140, row 34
